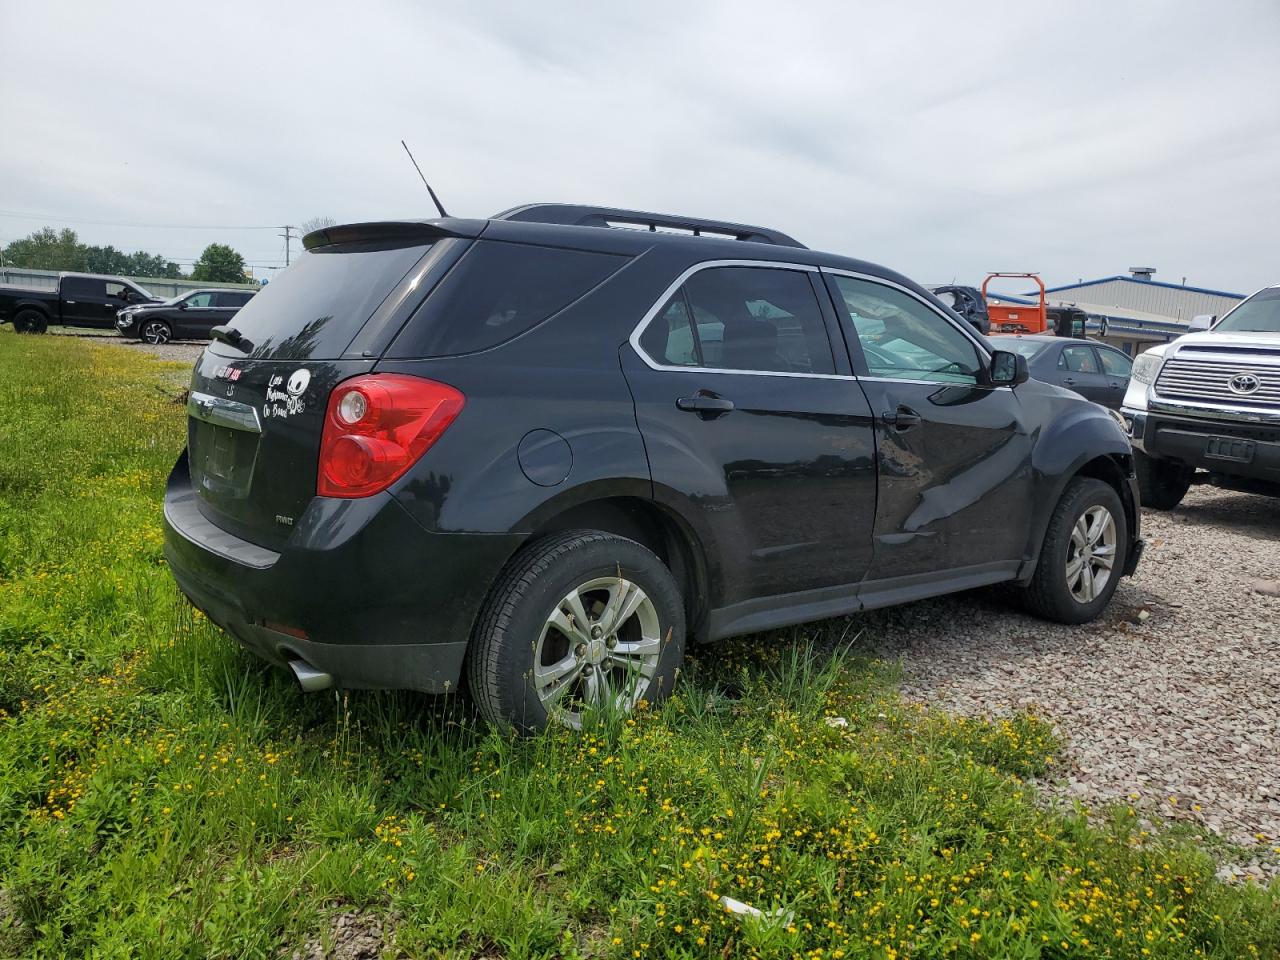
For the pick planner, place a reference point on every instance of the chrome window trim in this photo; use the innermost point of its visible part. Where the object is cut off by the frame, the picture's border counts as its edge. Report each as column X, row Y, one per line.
column 934, row 383
column 652, row 313
column 984, row 350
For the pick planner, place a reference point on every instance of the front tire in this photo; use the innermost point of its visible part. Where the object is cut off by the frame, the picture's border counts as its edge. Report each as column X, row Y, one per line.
column 1084, row 551
column 157, row 332
column 579, row 621
column 1161, row 483
column 30, row 321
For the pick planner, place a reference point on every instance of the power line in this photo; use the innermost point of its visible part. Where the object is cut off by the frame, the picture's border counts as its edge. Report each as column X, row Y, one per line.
column 18, row 214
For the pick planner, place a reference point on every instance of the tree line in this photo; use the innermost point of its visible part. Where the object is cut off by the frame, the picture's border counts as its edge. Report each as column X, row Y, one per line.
column 49, row 249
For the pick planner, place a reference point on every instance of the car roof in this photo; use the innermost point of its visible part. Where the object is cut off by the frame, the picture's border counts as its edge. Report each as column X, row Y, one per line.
column 528, row 225
column 115, row 278
column 1048, row 338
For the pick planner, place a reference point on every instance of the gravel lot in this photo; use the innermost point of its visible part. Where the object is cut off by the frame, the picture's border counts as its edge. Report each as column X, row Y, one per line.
column 184, row 352
column 1170, row 702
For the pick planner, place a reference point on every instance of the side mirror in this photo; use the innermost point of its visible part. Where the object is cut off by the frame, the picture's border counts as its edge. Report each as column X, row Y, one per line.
column 182, row 304
column 1202, row 322
column 1008, row 369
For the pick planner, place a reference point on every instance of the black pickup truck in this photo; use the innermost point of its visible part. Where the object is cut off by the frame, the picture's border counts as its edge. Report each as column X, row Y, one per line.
column 81, row 300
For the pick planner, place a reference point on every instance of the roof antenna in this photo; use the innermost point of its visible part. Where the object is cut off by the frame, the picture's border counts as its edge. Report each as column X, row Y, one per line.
column 434, row 198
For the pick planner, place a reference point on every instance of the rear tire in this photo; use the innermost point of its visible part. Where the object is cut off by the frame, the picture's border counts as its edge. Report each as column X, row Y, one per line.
column 1083, row 553
column 1161, row 483
column 157, row 332
column 30, row 321
column 533, row 660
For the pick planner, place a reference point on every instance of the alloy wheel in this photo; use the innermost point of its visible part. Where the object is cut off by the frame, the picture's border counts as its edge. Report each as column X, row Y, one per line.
column 156, row 332
column 1091, row 555
column 598, row 648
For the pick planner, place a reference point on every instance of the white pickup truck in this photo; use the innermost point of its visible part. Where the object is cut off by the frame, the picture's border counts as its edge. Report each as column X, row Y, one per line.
column 1210, row 401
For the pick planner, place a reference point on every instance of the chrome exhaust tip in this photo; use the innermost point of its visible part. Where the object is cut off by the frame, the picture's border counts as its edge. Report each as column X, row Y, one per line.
column 309, row 678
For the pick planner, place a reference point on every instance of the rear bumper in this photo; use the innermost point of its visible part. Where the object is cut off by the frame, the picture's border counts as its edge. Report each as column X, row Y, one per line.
column 1186, row 440
column 361, row 591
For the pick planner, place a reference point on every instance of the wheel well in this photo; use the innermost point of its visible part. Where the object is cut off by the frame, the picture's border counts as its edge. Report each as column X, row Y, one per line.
column 648, row 524
column 1114, row 471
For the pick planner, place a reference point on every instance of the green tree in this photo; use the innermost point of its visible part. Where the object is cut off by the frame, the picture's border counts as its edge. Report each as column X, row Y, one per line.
column 219, row 263
column 105, row 260
column 47, row 249
column 143, row 264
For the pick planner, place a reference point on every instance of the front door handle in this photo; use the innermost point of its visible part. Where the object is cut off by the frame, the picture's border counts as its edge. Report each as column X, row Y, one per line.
column 705, row 403
column 902, row 419
column 1069, row 381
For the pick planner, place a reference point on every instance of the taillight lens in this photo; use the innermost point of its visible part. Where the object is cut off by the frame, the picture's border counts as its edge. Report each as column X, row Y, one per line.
column 376, row 427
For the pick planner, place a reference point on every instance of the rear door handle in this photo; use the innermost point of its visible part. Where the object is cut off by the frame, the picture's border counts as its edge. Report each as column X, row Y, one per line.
column 705, row 403
column 1069, row 381
column 902, row 420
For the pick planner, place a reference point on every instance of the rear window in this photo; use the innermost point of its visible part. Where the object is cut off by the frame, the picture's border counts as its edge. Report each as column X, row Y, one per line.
column 1028, row 348
column 314, row 308
column 498, row 291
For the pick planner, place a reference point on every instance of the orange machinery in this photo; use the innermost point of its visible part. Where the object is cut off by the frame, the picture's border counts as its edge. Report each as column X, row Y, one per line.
column 1016, row 317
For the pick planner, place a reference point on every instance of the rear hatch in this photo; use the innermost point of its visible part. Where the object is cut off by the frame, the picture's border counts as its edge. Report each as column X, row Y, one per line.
column 257, row 408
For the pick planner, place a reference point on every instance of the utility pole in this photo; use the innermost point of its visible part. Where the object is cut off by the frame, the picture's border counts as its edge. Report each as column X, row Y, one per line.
column 287, row 238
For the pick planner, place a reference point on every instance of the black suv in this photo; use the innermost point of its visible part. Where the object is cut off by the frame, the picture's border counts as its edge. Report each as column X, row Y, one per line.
column 189, row 316
column 544, row 451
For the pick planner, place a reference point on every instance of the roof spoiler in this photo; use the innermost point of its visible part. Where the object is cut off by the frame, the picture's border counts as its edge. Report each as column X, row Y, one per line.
column 392, row 231
column 583, row 216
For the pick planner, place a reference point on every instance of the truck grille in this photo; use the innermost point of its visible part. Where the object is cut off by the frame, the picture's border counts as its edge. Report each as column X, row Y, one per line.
column 1184, row 378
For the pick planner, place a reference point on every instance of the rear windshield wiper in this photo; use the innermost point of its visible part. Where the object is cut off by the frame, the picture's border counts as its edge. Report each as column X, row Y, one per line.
column 231, row 336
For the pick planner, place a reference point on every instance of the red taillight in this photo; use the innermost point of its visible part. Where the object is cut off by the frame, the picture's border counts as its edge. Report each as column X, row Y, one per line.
column 387, row 422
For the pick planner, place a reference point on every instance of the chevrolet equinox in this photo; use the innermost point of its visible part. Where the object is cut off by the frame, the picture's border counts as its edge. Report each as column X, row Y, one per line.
column 540, row 453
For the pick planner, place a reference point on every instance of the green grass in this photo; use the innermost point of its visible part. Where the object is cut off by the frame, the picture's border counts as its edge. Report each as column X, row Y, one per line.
column 162, row 794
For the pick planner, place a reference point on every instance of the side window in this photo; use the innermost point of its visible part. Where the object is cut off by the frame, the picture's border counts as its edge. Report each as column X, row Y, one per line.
column 902, row 338
column 499, row 290
column 73, row 287
column 758, row 318
column 1078, row 360
column 669, row 336
column 115, row 290
column 200, row 300
column 1115, row 363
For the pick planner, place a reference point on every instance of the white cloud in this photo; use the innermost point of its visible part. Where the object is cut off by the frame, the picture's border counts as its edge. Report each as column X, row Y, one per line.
column 940, row 139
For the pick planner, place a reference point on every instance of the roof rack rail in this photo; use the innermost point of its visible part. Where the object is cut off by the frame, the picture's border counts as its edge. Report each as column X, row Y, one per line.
column 583, row 216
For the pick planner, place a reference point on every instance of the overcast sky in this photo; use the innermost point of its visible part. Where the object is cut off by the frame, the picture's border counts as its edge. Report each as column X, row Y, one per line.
column 944, row 140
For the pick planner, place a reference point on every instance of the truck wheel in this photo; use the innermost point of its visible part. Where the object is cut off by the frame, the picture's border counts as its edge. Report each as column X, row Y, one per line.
column 1161, row 483
column 30, row 321
column 157, row 332
column 1084, row 550
column 578, row 621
